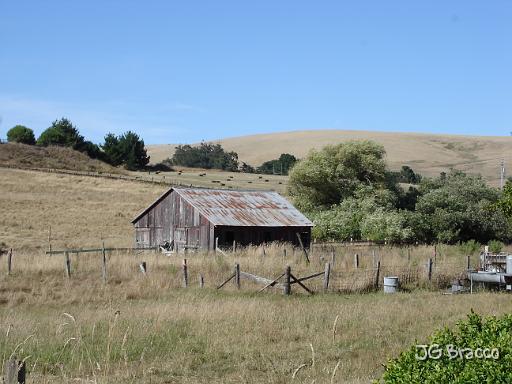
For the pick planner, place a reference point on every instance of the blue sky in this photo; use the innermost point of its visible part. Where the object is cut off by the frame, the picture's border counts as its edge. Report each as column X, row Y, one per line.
column 185, row 71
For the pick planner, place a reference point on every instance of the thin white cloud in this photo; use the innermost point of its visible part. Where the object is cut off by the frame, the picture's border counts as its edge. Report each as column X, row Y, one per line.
column 94, row 121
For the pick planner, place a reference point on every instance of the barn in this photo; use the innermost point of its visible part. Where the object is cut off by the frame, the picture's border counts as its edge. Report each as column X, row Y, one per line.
column 195, row 218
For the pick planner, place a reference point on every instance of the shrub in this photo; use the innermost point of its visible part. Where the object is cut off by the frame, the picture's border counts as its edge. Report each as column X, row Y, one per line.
column 470, row 247
column 495, row 246
column 472, row 334
column 21, row 134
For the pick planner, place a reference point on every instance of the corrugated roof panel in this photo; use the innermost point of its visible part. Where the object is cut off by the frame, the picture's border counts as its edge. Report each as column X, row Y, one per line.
column 244, row 208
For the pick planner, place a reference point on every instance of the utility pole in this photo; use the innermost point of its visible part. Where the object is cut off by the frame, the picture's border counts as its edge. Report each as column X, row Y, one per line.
column 502, row 174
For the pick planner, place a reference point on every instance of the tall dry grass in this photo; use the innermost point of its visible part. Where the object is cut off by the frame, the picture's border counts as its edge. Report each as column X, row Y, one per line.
column 138, row 328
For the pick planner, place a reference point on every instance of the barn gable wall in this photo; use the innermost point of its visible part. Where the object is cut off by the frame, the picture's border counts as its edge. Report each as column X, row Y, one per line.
column 172, row 219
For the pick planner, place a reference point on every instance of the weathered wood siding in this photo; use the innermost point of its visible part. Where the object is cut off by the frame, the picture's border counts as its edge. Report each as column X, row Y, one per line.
column 173, row 219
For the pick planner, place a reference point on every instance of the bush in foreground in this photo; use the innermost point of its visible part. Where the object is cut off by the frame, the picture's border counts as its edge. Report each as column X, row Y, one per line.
column 445, row 365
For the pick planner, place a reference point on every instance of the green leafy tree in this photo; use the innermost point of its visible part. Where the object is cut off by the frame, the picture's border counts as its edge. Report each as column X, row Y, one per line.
column 21, row 134
column 459, row 207
column 63, row 133
column 127, row 149
column 206, row 156
column 334, row 173
column 505, row 202
column 279, row 166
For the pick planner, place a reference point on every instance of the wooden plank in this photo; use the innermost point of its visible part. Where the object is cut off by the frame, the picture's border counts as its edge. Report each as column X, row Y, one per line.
column 89, row 250
column 255, row 278
column 302, row 246
column 309, row 277
column 272, row 283
column 302, row 285
column 227, row 281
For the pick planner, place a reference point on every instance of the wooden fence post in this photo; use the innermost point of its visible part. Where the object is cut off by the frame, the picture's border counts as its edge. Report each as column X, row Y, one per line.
column 327, row 273
column 68, row 264
column 217, row 244
column 469, row 262
column 201, row 281
column 333, row 256
column 185, row 273
column 429, row 265
column 377, row 274
column 14, row 371
column 104, row 267
column 9, row 262
column 356, row 261
column 287, row 285
column 237, row 275
column 234, row 246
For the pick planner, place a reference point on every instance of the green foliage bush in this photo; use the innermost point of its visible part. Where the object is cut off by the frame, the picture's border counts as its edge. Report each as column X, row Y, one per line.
column 21, row 134
column 495, row 246
column 474, row 332
column 470, row 247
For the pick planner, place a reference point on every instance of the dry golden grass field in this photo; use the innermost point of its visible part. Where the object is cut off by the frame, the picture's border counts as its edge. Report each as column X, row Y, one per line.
column 426, row 153
column 137, row 328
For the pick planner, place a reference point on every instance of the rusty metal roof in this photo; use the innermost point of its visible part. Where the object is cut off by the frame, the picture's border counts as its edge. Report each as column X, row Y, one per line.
column 241, row 208
column 244, row 208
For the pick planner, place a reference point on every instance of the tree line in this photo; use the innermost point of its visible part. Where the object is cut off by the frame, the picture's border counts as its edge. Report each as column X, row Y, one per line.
column 349, row 193
column 213, row 156
column 126, row 149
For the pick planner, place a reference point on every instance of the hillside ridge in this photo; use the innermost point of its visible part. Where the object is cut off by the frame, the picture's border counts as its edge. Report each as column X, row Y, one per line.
column 426, row 153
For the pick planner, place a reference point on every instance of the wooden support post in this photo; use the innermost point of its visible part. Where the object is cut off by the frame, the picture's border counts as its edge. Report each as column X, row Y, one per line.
column 356, row 261
column 287, row 276
column 377, row 275
column 185, row 273
column 9, row 262
column 14, row 371
column 68, row 265
column 469, row 262
column 429, row 267
column 201, row 281
column 104, row 267
column 237, row 275
column 333, row 257
column 327, row 274
column 374, row 260
column 234, row 246
column 435, row 253
column 143, row 267
column 216, row 244
column 303, row 248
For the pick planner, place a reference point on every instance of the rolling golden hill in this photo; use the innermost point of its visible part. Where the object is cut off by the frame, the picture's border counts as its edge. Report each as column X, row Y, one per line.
column 428, row 154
